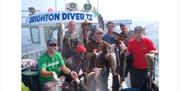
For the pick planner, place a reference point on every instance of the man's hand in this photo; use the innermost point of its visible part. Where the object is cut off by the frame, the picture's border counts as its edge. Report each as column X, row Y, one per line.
column 74, row 75
column 151, row 52
column 54, row 75
column 154, row 52
column 122, row 46
column 94, row 51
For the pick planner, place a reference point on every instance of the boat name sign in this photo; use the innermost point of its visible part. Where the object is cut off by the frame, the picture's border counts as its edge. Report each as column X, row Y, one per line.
column 56, row 17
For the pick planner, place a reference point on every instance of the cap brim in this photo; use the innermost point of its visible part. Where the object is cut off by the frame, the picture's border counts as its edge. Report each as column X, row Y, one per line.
column 99, row 32
column 52, row 43
column 122, row 25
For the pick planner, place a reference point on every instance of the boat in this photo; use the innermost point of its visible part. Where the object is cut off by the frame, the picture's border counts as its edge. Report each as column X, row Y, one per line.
column 40, row 26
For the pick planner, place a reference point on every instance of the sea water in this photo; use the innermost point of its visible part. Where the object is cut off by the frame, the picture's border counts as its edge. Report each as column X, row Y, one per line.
column 152, row 32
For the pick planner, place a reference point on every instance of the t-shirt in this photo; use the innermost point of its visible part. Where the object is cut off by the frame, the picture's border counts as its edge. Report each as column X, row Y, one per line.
column 139, row 50
column 50, row 64
column 109, row 39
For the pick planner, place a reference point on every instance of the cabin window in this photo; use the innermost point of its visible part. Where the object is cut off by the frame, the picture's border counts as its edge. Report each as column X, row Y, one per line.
column 49, row 32
column 35, row 37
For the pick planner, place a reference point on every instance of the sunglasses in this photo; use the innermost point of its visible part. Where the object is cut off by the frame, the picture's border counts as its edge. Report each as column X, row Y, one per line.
column 52, row 44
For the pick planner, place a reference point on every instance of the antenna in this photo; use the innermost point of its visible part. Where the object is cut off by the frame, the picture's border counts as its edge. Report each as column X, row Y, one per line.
column 55, row 5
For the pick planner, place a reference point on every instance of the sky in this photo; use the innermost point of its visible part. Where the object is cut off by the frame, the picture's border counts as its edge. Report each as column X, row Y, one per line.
column 137, row 10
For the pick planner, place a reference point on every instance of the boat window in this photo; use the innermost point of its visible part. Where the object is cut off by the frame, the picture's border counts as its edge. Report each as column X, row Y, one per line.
column 48, row 32
column 26, row 40
column 35, row 37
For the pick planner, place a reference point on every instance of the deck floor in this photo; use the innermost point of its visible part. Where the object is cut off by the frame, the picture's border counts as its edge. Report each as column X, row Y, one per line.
column 125, row 84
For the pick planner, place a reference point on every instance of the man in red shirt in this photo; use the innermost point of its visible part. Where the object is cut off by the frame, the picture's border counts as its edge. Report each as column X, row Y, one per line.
column 139, row 46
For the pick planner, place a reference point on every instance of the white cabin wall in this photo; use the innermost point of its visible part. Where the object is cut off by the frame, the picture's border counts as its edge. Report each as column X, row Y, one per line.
column 43, row 42
column 35, row 49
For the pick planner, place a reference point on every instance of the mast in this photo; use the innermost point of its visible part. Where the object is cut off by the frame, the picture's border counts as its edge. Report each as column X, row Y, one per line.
column 55, row 5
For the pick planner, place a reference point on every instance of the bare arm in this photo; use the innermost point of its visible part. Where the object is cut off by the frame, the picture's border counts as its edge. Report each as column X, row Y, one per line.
column 46, row 73
column 67, row 71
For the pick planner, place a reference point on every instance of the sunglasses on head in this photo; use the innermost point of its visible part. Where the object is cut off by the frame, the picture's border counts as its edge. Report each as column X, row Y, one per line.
column 52, row 44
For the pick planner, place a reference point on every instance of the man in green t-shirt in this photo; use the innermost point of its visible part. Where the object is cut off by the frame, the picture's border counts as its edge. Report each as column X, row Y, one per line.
column 49, row 67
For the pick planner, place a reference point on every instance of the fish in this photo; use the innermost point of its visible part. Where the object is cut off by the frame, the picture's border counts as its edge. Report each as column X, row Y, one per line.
column 150, row 62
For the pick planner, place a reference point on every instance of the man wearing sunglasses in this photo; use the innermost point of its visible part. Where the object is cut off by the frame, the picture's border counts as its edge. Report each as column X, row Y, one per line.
column 49, row 67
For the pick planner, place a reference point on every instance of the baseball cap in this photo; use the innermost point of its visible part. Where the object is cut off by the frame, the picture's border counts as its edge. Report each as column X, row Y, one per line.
column 99, row 30
column 51, row 41
column 81, row 49
column 139, row 29
column 122, row 25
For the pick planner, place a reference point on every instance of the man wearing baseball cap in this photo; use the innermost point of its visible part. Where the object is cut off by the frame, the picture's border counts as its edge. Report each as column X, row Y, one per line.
column 49, row 67
column 125, row 61
column 139, row 47
column 99, row 59
column 77, row 61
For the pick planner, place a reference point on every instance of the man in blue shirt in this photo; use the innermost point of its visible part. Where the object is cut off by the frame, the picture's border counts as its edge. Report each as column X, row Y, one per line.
column 109, row 38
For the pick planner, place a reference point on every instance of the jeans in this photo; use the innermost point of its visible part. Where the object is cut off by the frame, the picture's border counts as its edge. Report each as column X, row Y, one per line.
column 105, row 75
column 138, row 78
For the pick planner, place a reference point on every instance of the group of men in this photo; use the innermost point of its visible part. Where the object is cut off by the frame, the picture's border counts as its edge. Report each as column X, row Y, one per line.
column 102, row 53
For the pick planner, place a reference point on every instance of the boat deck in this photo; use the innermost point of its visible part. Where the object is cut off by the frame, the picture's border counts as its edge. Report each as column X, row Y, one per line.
column 125, row 84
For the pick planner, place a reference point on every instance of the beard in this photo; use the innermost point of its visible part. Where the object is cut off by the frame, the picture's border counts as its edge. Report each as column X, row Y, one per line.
column 98, row 39
column 52, row 50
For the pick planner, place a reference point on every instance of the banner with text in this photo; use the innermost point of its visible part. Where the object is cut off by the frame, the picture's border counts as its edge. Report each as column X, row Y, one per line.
column 61, row 17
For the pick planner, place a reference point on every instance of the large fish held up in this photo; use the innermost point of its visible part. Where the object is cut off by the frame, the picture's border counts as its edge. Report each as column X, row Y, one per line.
column 150, row 61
